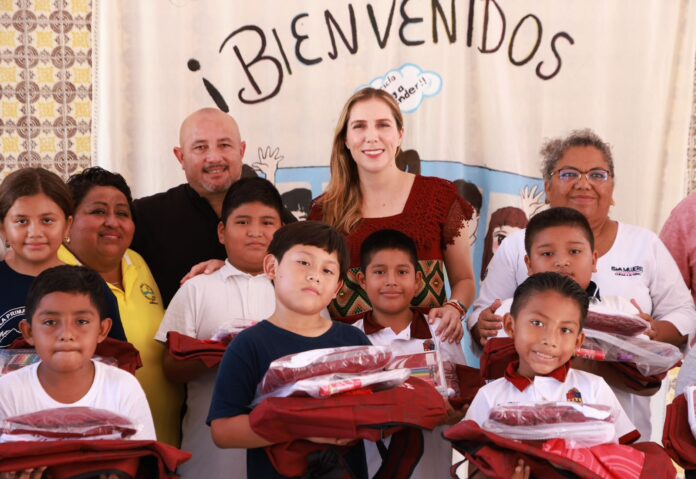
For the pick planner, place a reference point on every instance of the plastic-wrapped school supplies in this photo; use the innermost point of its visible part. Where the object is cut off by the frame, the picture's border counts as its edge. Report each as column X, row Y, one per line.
column 320, row 362
column 66, row 423
column 229, row 330
column 650, row 357
column 616, row 315
column 581, row 425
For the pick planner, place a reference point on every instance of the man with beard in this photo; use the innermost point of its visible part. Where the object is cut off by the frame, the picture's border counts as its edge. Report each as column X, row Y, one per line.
column 177, row 229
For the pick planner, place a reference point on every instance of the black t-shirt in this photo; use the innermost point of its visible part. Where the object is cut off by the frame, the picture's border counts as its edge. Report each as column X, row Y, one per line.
column 244, row 365
column 176, row 230
column 14, row 288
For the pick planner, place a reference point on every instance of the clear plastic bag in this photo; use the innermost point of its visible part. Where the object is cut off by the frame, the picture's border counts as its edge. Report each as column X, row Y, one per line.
column 616, row 315
column 229, row 330
column 332, row 384
column 690, row 395
column 650, row 357
column 581, row 425
column 320, row 362
column 427, row 366
column 67, row 423
column 14, row 359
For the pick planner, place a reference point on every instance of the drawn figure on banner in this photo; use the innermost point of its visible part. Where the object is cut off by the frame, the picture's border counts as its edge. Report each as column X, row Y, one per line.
column 472, row 194
column 409, row 161
column 504, row 221
column 409, row 85
column 533, row 200
column 298, row 201
column 267, row 163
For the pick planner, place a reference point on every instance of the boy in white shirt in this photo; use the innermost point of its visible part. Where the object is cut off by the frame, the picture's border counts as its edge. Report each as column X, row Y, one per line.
column 65, row 320
column 388, row 260
column 545, row 322
column 561, row 240
column 251, row 214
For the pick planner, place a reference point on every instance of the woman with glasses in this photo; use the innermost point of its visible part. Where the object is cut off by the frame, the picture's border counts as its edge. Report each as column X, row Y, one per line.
column 633, row 263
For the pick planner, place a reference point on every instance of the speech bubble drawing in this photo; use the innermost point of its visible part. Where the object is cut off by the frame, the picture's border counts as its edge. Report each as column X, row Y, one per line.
column 409, row 85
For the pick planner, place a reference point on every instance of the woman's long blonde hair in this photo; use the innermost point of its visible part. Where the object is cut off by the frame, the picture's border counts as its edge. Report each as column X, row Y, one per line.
column 342, row 200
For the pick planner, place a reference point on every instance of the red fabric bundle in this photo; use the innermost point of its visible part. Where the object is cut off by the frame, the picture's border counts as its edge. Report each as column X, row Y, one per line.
column 677, row 437
column 623, row 324
column 496, row 456
column 549, row 413
column 125, row 354
column 633, row 379
column 69, row 459
column 307, row 364
column 285, row 421
column 68, row 423
column 184, row 347
column 465, row 381
column 499, row 352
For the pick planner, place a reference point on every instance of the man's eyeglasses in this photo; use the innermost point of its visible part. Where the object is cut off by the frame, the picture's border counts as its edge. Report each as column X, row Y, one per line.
column 571, row 175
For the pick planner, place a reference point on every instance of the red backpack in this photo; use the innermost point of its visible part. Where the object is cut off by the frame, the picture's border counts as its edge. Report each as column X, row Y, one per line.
column 286, row 421
column 496, row 457
column 677, row 437
column 69, row 459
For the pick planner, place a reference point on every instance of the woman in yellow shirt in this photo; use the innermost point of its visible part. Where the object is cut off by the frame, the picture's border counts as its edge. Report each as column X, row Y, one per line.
column 100, row 237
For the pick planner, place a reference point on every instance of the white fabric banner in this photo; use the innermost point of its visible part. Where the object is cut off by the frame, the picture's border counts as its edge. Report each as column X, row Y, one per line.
column 481, row 83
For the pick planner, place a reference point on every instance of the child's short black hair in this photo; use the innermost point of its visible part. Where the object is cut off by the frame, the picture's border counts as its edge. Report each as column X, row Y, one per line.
column 251, row 190
column 67, row 279
column 553, row 217
column 311, row 233
column 387, row 239
column 542, row 282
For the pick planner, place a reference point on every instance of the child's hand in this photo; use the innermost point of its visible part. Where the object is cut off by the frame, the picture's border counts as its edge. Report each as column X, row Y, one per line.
column 521, row 471
column 26, row 474
column 330, row 440
column 206, row 267
column 489, row 323
column 450, row 327
column 454, row 415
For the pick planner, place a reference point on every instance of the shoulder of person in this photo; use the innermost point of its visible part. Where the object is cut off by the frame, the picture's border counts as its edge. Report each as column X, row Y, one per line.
column 578, row 375
column 114, row 375
column 439, row 184
column 636, row 233
column 350, row 332
column 146, row 203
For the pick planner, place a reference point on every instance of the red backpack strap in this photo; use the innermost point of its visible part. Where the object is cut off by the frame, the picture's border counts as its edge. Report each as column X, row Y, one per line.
column 405, row 450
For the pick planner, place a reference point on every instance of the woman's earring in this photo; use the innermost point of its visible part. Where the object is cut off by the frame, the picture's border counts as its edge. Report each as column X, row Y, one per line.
column 67, row 240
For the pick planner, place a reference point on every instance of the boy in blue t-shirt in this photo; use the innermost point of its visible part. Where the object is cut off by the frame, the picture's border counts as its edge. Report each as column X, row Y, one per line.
column 306, row 261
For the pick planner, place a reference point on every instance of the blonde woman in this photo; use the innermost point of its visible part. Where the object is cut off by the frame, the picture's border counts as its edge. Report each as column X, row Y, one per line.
column 368, row 192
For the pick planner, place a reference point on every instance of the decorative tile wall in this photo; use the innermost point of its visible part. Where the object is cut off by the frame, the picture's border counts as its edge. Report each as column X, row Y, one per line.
column 45, row 85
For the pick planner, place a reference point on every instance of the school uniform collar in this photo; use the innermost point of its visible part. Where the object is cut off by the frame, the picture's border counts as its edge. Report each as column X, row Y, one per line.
column 419, row 325
column 593, row 292
column 228, row 271
column 522, row 382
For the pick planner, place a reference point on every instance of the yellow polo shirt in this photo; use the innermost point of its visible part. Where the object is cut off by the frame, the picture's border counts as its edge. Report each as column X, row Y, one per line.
column 141, row 311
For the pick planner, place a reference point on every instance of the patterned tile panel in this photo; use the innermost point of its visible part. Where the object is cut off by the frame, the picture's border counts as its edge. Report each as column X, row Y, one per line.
column 45, row 85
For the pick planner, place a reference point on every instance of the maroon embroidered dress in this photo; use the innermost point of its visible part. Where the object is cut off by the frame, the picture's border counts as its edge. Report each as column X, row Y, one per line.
column 433, row 215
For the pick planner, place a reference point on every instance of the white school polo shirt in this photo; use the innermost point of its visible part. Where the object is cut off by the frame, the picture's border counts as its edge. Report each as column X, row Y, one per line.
column 563, row 384
column 197, row 309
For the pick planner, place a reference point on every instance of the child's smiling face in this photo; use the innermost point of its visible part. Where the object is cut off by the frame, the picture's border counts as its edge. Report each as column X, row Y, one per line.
column 546, row 332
